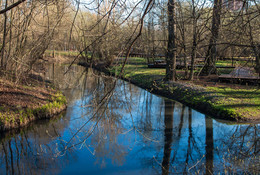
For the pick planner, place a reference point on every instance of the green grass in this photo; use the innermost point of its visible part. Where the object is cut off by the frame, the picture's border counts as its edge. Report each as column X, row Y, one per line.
column 140, row 74
column 22, row 116
column 235, row 63
column 61, row 53
column 58, row 100
column 244, row 102
column 136, row 60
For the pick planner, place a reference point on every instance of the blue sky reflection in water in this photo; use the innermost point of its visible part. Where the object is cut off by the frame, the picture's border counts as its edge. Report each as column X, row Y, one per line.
column 132, row 132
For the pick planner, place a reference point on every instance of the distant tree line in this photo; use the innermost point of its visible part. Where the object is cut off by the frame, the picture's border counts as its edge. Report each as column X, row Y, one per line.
column 182, row 31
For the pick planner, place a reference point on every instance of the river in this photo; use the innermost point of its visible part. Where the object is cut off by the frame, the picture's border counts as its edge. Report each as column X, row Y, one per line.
column 114, row 127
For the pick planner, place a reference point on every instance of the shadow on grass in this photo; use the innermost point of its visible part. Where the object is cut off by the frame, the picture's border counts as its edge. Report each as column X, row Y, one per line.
column 241, row 105
column 241, row 94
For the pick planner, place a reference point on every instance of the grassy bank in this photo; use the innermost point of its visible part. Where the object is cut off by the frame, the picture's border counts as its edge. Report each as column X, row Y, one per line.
column 221, row 100
column 60, row 53
column 21, row 103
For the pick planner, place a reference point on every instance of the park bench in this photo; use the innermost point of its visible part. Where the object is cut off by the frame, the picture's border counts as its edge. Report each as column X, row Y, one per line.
column 241, row 74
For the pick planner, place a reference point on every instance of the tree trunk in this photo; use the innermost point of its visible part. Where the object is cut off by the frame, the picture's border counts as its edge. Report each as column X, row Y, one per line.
column 255, row 46
column 171, row 50
column 193, row 56
column 185, row 61
column 194, row 43
column 182, row 32
column 211, row 56
column 257, row 60
column 4, row 38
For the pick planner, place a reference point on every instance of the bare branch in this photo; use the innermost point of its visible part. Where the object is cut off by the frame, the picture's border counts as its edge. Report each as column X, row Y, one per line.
column 11, row 6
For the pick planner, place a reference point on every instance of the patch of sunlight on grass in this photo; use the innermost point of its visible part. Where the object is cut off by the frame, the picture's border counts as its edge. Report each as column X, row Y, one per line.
column 243, row 101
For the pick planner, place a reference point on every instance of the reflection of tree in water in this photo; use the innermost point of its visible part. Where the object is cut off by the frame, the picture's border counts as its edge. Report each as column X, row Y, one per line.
column 181, row 151
column 109, row 127
column 72, row 81
column 209, row 140
column 168, row 134
column 105, row 126
column 111, row 107
column 106, row 144
column 107, row 113
column 238, row 153
column 32, row 151
column 187, row 148
column 146, row 113
column 148, row 106
column 100, row 115
column 241, row 151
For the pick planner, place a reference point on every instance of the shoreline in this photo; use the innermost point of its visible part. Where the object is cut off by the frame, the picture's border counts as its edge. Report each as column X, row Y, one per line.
column 21, row 104
column 194, row 96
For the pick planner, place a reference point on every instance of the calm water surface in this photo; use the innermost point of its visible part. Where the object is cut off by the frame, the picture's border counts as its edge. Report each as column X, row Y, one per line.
column 123, row 129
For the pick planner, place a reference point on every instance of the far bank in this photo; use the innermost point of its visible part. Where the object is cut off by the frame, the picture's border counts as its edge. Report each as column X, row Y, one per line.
column 220, row 100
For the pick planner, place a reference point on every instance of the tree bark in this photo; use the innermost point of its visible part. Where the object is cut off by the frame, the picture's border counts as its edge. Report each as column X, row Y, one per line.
column 193, row 56
column 194, row 43
column 183, row 36
column 4, row 38
column 211, row 56
column 257, row 60
column 171, row 48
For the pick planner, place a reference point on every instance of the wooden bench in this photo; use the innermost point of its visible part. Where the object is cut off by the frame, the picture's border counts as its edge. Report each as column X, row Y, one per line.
column 241, row 74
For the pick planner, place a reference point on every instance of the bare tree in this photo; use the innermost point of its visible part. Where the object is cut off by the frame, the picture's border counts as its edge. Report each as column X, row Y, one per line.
column 211, row 55
column 171, row 49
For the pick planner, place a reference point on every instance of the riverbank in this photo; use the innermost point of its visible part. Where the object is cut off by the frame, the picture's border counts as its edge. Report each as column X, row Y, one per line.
column 27, row 101
column 220, row 100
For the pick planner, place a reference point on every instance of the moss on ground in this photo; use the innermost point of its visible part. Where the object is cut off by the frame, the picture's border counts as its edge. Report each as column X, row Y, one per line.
column 22, row 104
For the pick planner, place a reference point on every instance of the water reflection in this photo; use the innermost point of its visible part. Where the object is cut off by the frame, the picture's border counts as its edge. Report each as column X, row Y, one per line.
column 32, row 150
column 209, row 146
column 168, row 135
column 113, row 127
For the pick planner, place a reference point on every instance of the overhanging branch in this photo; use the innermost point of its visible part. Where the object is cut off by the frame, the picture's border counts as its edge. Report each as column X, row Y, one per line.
column 11, row 6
